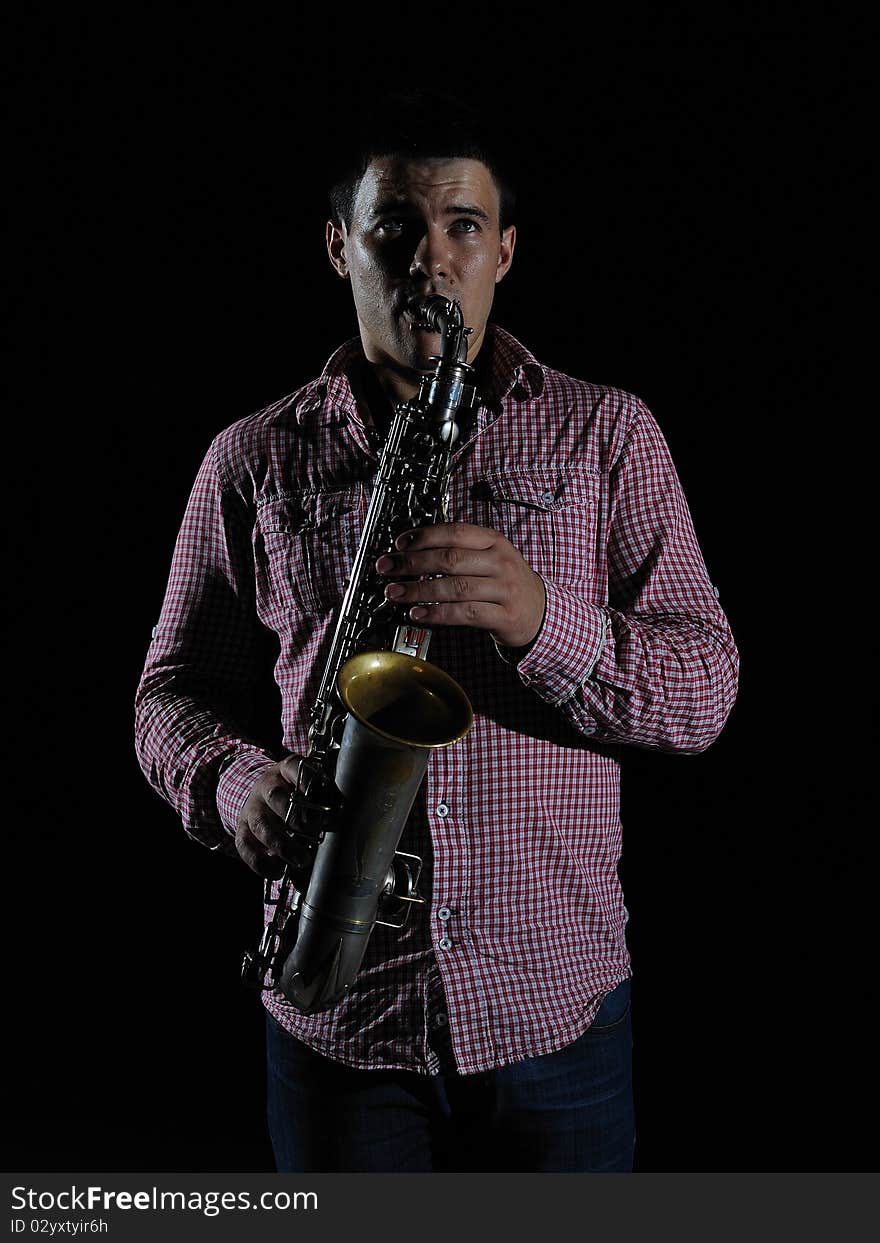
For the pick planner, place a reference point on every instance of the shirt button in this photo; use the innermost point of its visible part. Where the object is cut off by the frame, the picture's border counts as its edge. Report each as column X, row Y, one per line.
column 547, row 498
column 715, row 592
column 444, row 912
column 155, row 628
column 445, row 943
column 442, row 809
column 441, row 1020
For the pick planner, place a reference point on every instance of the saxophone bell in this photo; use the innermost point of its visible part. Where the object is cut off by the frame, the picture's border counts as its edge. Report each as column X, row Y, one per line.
column 399, row 709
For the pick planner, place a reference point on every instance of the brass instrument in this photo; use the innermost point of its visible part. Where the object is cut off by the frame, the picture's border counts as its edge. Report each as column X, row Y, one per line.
column 380, row 710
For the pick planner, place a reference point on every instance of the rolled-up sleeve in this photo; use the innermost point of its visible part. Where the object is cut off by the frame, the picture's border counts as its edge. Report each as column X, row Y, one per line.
column 657, row 665
column 194, row 694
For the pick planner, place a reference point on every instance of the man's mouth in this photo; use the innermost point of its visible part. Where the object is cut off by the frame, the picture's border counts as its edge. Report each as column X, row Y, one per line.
column 418, row 325
column 412, row 307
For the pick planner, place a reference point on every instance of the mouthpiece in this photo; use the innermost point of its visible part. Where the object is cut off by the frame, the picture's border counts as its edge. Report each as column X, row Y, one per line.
column 435, row 311
column 443, row 315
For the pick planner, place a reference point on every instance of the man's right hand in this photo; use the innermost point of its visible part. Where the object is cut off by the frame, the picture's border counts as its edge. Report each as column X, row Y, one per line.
column 261, row 838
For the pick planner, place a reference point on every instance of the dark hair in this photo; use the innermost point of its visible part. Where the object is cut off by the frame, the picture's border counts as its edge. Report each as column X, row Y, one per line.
column 418, row 125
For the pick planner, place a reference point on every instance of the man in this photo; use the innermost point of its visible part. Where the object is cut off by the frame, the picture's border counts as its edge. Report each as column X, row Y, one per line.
column 574, row 608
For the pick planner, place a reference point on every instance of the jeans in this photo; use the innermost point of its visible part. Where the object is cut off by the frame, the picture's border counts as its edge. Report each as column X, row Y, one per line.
column 568, row 1111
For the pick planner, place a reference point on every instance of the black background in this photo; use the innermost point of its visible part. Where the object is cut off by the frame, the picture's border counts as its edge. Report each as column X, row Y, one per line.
column 686, row 205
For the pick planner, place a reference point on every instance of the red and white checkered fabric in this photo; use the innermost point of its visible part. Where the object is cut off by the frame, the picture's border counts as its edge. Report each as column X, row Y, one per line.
column 518, row 824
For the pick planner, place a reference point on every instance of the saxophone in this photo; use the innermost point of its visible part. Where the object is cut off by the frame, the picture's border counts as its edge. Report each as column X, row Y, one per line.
column 380, row 709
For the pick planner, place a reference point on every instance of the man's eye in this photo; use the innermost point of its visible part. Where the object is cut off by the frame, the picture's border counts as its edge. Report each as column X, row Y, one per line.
column 392, row 225
column 466, row 226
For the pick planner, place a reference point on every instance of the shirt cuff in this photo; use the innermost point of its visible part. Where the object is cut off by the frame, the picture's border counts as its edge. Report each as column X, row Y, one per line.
column 567, row 648
column 236, row 782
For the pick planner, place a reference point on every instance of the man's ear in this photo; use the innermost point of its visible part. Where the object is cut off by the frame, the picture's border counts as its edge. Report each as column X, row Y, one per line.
column 505, row 254
column 336, row 239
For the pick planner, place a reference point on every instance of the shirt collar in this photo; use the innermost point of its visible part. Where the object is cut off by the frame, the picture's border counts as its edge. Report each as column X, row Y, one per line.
column 513, row 372
column 513, row 367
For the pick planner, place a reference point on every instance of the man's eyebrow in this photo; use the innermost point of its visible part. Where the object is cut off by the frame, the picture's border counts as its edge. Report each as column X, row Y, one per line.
column 405, row 207
column 466, row 209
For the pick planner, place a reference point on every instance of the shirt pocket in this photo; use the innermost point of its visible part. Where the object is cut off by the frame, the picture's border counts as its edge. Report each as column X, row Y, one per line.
column 549, row 515
column 305, row 545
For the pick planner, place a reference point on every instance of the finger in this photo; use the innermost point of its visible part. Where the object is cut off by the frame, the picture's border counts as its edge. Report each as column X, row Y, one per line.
column 270, row 833
column 458, row 534
column 444, row 559
column 289, row 767
column 253, row 853
column 268, row 829
column 457, row 588
column 278, row 800
column 478, row 614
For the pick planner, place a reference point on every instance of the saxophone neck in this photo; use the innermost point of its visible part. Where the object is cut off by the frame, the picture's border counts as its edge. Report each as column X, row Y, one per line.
column 450, row 385
column 453, row 335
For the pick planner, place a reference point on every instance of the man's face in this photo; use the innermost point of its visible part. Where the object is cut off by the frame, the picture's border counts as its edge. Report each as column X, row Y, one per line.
column 423, row 227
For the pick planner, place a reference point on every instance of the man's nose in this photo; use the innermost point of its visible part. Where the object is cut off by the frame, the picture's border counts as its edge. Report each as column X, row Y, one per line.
column 431, row 256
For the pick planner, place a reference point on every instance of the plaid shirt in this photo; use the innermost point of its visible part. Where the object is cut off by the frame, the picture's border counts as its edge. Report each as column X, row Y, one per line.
column 518, row 824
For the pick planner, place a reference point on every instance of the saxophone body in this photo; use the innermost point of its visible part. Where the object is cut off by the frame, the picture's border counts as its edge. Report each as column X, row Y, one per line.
column 380, row 710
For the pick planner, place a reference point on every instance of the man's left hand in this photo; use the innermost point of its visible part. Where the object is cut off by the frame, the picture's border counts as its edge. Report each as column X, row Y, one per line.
column 485, row 582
